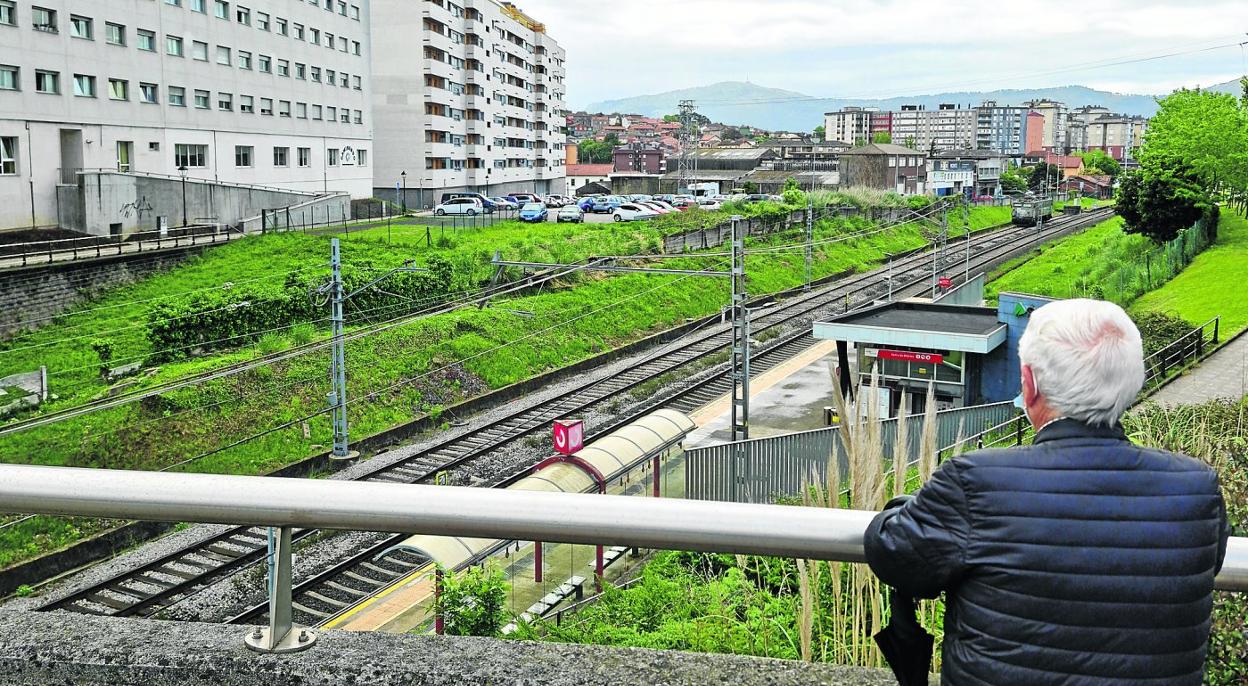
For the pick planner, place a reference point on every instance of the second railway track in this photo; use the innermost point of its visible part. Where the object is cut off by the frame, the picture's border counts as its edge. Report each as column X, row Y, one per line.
column 153, row 586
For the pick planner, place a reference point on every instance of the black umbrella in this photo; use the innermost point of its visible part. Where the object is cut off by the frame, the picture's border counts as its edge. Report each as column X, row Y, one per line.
column 906, row 646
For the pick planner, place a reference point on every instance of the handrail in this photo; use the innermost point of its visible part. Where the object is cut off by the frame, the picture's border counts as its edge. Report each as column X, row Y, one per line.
column 175, row 177
column 576, row 518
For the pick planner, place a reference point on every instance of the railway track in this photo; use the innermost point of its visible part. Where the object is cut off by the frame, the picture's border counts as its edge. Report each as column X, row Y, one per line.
column 147, row 589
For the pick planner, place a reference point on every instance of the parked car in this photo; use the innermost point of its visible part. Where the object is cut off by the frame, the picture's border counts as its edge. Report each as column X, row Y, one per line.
column 665, row 205
column 533, row 212
column 684, row 204
column 656, row 207
column 553, row 201
column 505, row 203
column 709, row 204
column 523, row 198
column 629, row 211
column 586, row 204
column 487, row 204
column 468, row 206
column 607, row 204
column 570, row 213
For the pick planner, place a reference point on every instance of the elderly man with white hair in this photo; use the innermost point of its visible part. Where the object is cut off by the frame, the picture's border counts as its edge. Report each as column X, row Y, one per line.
column 1080, row 559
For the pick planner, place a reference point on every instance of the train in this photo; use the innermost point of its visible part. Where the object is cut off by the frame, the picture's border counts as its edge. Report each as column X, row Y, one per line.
column 1032, row 210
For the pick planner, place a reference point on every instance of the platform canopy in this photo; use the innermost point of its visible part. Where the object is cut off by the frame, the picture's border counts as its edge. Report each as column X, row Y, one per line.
column 919, row 324
column 610, row 456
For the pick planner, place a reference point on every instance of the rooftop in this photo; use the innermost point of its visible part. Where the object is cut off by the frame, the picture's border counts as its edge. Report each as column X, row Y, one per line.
column 732, row 153
column 919, row 324
column 883, row 149
column 589, row 169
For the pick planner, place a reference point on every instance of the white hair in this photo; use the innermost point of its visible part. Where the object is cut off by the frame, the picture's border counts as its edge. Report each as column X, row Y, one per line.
column 1086, row 357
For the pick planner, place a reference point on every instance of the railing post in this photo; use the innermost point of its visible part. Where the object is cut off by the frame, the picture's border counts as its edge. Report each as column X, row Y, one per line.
column 537, row 562
column 1216, row 321
column 1018, row 432
column 281, row 636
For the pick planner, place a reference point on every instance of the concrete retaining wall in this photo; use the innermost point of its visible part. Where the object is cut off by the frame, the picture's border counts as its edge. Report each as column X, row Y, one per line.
column 62, row 648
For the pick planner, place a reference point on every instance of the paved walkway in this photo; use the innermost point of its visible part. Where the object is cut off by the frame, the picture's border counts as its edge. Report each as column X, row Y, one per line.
column 1222, row 375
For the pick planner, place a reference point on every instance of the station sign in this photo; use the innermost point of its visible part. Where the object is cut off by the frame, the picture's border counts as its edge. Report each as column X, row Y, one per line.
column 569, row 436
column 944, row 282
column 910, row 356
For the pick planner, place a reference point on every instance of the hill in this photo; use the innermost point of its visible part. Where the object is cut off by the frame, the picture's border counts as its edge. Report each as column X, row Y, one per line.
column 735, row 102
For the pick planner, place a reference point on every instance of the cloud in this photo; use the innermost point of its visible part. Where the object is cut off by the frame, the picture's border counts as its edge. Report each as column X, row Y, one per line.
column 886, row 47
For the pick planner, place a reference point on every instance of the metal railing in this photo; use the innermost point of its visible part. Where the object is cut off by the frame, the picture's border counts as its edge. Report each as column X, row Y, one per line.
column 749, row 529
column 93, row 247
column 1186, row 349
column 69, row 176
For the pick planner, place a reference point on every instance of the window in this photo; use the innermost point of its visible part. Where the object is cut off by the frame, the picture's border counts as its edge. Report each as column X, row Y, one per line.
column 361, row 158
column 359, row 117
column 8, row 155
column 149, row 93
column 305, row 157
column 344, row 79
column 147, row 40
column 80, row 27
column 190, row 155
column 8, row 78
column 281, row 157
column 243, row 15
column 43, row 19
column 246, row 104
column 331, row 113
column 221, row 9
column 175, row 3
column 283, row 67
column 223, row 55
column 242, row 155
column 355, row 48
column 301, row 71
column 316, row 112
column 345, row 115
column 357, row 83
column 118, row 89
column 199, row 6
column 282, row 27
column 355, row 12
column 177, row 96
column 342, row 8
column 266, row 106
column 202, row 100
column 47, row 82
column 316, row 74
column 314, row 36
column 8, row 13
column 301, row 110
column 262, row 21
column 199, row 51
column 115, row 34
column 298, row 31
column 342, row 43
column 225, row 102
column 173, row 46
column 331, row 77
column 244, row 59
column 283, row 108
column 84, row 86
column 265, row 64
column 331, row 156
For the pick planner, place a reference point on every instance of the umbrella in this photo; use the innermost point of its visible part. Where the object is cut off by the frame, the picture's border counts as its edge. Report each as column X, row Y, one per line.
column 906, row 646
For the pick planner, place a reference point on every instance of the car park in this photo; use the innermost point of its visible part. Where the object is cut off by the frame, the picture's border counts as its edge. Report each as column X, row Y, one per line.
column 533, row 212
column 709, row 204
column 570, row 213
column 627, row 212
column 505, row 203
column 586, row 204
column 684, row 204
column 466, row 206
column 523, row 198
column 487, row 204
column 606, row 204
column 553, row 201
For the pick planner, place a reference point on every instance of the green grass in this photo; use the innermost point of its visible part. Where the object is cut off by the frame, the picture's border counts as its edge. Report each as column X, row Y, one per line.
column 1209, row 286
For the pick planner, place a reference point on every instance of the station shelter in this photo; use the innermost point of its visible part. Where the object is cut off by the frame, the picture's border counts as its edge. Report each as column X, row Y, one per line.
column 967, row 352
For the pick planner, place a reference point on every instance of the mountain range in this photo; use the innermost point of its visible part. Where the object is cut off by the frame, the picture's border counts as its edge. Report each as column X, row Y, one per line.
column 737, row 102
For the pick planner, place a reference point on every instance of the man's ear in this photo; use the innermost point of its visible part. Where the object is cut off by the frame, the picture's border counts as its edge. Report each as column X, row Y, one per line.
column 1030, row 392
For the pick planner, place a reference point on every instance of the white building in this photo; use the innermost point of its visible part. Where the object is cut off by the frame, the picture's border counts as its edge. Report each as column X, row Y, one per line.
column 266, row 93
column 948, row 127
column 851, row 125
column 469, row 96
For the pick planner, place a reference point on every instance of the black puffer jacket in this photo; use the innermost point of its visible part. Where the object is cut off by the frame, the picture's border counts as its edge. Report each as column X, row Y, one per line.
column 1080, row 560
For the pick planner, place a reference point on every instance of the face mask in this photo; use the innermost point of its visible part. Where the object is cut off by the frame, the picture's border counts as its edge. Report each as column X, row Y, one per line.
column 1018, row 402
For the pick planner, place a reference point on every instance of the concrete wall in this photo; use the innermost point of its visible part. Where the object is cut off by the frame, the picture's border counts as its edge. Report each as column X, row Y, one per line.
column 59, row 648
column 35, row 293
column 104, row 199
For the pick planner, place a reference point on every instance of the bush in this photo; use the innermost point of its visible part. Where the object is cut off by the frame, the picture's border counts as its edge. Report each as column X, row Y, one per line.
column 1159, row 329
column 473, row 603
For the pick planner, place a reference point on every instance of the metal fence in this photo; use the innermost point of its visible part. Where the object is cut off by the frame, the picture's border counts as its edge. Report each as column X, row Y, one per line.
column 1187, row 349
column 760, row 469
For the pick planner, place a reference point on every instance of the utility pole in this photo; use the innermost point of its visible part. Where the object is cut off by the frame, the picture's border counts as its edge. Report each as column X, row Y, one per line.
column 688, row 139
column 938, row 250
column 338, row 368
column 966, row 219
column 810, row 239
column 740, row 338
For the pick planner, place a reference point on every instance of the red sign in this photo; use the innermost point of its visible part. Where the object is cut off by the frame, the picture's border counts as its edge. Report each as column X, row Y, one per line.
column 909, row 356
column 945, row 282
column 569, row 436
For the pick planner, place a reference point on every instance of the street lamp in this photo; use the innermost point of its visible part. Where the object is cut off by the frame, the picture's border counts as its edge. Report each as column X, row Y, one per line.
column 404, row 175
column 182, row 170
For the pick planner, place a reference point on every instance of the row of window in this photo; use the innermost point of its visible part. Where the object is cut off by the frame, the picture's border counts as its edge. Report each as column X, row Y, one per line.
column 47, row 20
column 84, row 86
column 195, row 156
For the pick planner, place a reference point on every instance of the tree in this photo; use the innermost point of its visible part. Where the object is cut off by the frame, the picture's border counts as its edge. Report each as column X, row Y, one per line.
column 820, row 133
column 750, row 187
column 910, row 143
column 1044, row 175
column 1208, row 131
column 598, row 152
column 1162, row 202
column 883, row 137
column 1097, row 162
column 731, row 135
column 1014, row 181
column 671, row 118
column 474, row 603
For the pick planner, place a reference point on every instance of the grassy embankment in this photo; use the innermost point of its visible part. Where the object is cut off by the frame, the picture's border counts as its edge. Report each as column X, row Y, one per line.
column 393, row 376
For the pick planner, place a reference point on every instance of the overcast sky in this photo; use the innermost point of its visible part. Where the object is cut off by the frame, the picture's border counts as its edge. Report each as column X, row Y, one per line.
column 886, row 48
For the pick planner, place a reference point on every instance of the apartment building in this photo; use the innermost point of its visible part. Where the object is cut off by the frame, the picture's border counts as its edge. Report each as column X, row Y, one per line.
column 239, row 92
column 948, row 127
column 1118, row 135
column 1056, row 118
column 1001, row 128
column 468, row 96
column 851, row 125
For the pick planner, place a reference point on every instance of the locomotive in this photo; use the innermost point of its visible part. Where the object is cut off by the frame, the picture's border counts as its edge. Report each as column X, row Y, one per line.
column 1031, row 210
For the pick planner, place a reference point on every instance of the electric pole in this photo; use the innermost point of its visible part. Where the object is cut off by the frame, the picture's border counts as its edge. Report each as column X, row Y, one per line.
column 810, row 239
column 740, row 339
column 966, row 220
column 338, row 368
column 688, row 139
